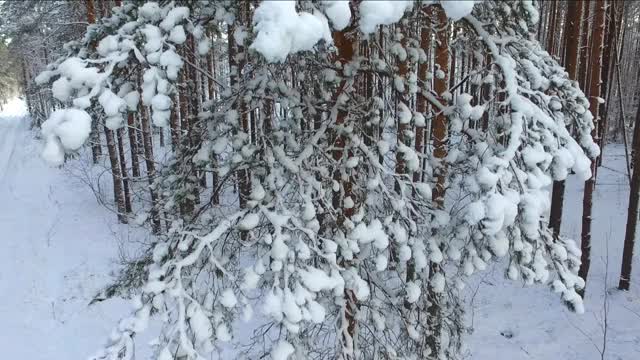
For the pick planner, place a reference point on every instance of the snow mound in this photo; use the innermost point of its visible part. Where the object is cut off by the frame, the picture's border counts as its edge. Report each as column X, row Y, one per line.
column 65, row 129
column 282, row 30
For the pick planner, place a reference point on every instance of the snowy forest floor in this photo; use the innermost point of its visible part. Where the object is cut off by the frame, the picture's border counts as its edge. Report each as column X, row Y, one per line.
column 59, row 246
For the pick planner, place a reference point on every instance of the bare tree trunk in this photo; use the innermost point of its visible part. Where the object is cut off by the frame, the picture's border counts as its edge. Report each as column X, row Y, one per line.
column 421, row 109
column 632, row 217
column 572, row 24
column 439, row 137
column 606, row 75
column 161, row 137
column 551, row 35
column 215, row 196
column 96, row 150
column 421, row 101
column 589, row 185
column 133, row 144
column 123, row 170
column 346, row 45
column 402, row 128
column 486, row 91
column 235, row 65
column 118, row 194
column 147, row 143
column 381, row 55
column 194, row 124
column 174, row 122
column 584, row 47
column 440, row 124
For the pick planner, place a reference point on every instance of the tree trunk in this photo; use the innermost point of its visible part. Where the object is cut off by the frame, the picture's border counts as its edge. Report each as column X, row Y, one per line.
column 194, row 107
column 589, row 185
column 401, row 99
column 133, row 144
column 123, row 170
column 174, row 122
column 632, row 217
column 572, row 31
column 421, row 101
column 235, row 65
column 606, row 75
column 551, row 35
column 346, row 50
column 116, row 174
column 584, row 47
column 215, row 196
column 118, row 195
column 147, row 144
column 440, row 124
column 439, row 137
column 96, row 150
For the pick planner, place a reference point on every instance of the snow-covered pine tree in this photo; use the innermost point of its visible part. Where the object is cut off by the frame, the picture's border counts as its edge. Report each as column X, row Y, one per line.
column 316, row 253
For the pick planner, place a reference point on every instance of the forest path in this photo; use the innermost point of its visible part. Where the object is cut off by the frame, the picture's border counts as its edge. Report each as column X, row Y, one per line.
column 57, row 247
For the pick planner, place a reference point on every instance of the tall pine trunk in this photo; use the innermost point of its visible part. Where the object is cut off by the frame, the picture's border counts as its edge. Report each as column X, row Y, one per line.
column 632, row 216
column 132, row 128
column 572, row 31
column 116, row 175
column 96, row 150
column 402, row 103
column 236, row 63
column 584, row 47
column 551, row 35
column 211, row 67
column 346, row 45
column 421, row 101
column 594, row 91
column 147, row 144
column 123, row 170
column 439, row 138
column 607, row 57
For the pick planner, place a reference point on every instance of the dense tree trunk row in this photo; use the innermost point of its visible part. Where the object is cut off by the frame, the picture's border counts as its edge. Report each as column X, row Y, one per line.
column 594, row 54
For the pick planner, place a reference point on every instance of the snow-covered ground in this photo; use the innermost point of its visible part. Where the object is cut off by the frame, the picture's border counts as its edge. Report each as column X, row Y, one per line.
column 512, row 322
column 58, row 246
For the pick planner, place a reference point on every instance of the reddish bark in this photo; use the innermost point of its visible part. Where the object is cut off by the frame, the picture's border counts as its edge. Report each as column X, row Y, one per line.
column 346, row 50
column 595, row 74
column 440, row 123
column 632, row 217
column 439, row 138
column 572, row 31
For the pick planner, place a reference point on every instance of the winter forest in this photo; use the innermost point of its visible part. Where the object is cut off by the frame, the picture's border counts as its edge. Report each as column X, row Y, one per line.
column 349, row 179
